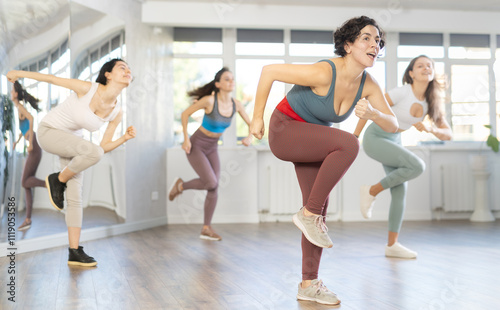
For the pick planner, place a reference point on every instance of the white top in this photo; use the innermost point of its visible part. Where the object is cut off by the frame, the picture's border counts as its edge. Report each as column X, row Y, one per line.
column 403, row 98
column 74, row 114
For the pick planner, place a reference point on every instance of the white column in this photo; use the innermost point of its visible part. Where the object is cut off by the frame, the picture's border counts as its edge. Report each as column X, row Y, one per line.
column 482, row 212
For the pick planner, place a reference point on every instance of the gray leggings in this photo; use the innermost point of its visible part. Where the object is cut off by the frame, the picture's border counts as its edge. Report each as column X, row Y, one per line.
column 400, row 166
column 75, row 153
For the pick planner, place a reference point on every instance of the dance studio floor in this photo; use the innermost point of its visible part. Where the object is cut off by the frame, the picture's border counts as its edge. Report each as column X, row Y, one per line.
column 257, row 266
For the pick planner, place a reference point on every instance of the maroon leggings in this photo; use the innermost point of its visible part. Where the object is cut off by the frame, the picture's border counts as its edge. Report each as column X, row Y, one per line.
column 321, row 156
column 204, row 159
column 29, row 180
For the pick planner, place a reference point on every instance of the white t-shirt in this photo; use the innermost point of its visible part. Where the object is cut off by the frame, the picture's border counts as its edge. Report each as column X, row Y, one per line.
column 403, row 99
column 74, row 114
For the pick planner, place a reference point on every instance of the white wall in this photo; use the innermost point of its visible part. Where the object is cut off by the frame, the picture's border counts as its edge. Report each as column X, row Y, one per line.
column 249, row 188
column 237, row 192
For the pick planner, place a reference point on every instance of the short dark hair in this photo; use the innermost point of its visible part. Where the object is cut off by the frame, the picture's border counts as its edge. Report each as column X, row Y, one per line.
column 350, row 31
column 107, row 67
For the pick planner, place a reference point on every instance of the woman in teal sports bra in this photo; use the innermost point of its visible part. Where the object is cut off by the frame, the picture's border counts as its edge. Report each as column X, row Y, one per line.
column 18, row 95
column 300, row 131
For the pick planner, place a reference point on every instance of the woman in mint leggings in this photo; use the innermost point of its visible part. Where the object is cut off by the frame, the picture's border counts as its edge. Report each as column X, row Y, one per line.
column 418, row 97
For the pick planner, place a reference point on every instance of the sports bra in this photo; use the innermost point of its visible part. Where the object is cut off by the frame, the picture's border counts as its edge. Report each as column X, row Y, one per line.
column 318, row 109
column 24, row 125
column 214, row 121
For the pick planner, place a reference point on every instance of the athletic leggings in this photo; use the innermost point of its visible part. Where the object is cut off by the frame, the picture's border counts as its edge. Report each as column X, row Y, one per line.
column 400, row 165
column 204, row 158
column 75, row 153
column 321, row 156
column 29, row 180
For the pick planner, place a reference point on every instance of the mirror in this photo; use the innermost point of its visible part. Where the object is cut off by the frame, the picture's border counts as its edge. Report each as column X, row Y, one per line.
column 35, row 33
column 39, row 40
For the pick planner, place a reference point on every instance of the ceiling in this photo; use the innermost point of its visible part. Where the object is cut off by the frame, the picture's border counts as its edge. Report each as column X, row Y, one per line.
column 22, row 19
column 18, row 18
column 461, row 5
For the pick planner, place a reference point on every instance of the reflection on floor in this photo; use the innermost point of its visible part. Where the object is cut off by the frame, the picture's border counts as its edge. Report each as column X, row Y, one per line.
column 47, row 222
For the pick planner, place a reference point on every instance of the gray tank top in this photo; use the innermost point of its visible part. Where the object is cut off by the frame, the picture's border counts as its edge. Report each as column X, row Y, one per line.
column 319, row 109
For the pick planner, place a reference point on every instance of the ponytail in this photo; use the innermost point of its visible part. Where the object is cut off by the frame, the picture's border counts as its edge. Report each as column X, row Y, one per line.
column 23, row 95
column 208, row 88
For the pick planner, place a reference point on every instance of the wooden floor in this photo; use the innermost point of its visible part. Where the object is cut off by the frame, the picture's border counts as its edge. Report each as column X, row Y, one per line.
column 257, row 266
column 47, row 222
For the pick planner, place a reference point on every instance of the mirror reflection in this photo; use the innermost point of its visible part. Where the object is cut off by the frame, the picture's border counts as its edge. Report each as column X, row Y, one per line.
column 39, row 41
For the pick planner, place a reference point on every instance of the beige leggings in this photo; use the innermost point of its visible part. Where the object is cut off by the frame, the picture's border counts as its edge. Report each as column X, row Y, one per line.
column 75, row 153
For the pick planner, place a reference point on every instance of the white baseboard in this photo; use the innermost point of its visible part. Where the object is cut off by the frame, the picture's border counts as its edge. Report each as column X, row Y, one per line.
column 61, row 239
column 247, row 218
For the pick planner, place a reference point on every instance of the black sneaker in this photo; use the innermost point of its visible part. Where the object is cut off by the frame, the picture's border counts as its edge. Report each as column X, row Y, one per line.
column 78, row 257
column 56, row 190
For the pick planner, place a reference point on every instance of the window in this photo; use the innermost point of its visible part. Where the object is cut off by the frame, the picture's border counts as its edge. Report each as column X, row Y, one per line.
column 412, row 45
column 462, row 61
column 468, row 97
column 311, row 43
column 260, row 42
column 197, row 58
column 89, row 62
column 469, row 46
column 256, row 48
column 198, row 41
column 247, row 77
column 496, row 69
column 470, row 102
column 190, row 73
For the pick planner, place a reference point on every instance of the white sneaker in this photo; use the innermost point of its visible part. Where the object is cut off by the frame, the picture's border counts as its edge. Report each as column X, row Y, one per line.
column 366, row 201
column 399, row 251
column 318, row 292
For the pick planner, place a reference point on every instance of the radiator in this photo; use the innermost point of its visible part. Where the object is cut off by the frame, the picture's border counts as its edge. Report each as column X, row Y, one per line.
column 458, row 187
column 284, row 194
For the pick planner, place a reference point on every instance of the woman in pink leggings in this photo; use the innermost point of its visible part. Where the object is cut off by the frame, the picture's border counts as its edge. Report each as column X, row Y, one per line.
column 300, row 131
column 215, row 98
column 26, row 125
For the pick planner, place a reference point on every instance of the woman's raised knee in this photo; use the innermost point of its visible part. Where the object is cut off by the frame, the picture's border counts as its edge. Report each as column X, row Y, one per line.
column 351, row 145
column 95, row 154
column 419, row 166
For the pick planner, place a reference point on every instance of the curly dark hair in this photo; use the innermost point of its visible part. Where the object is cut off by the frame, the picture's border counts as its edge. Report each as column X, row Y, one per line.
column 350, row 30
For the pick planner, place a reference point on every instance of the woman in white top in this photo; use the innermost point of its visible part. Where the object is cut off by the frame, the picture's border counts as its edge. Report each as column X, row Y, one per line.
column 418, row 97
column 90, row 106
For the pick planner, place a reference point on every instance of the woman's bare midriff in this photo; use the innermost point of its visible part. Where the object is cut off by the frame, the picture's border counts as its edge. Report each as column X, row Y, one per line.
column 210, row 134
